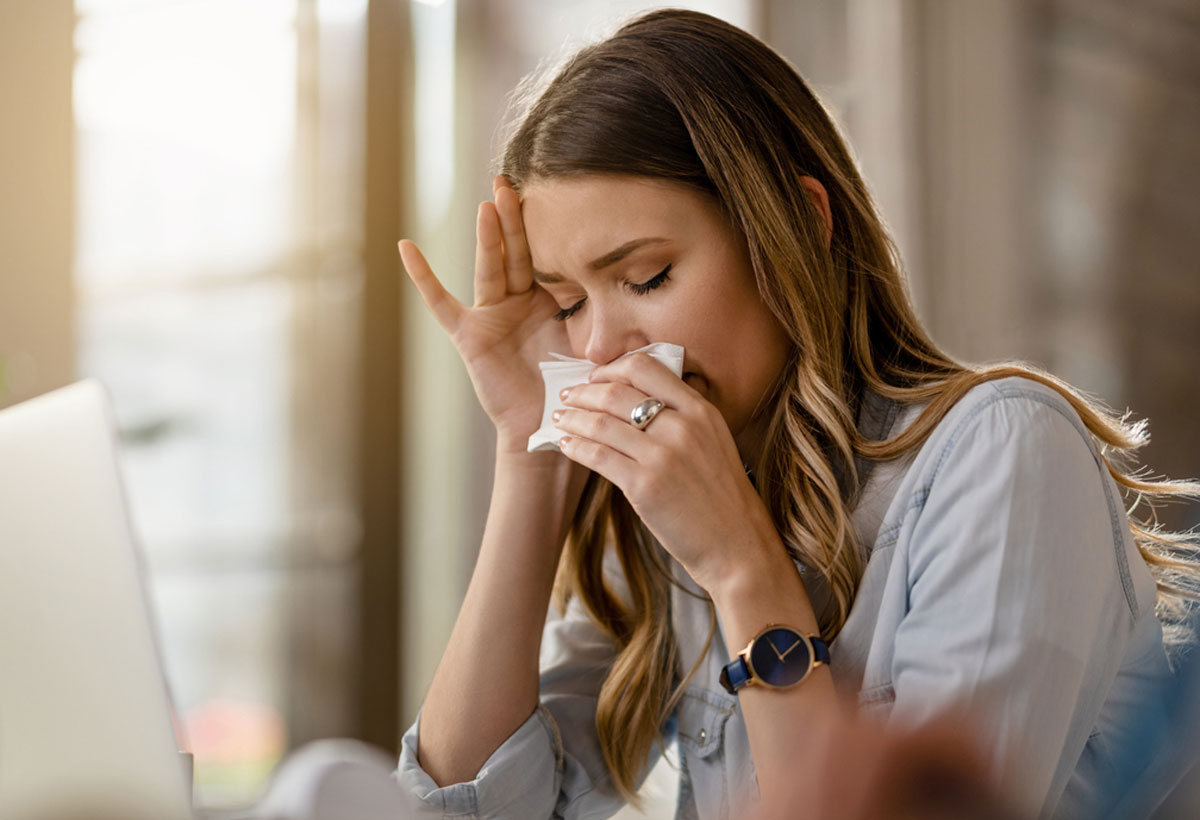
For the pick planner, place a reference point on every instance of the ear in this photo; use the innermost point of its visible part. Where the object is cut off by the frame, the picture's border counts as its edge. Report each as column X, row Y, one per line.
column 817, row 191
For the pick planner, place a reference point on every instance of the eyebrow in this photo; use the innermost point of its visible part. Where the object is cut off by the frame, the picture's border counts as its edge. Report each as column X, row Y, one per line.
column 601, row 262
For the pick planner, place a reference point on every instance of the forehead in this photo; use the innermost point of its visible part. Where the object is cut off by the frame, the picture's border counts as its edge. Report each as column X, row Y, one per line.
column 569, row 222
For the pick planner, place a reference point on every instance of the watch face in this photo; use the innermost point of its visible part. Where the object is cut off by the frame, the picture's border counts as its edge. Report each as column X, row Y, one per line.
column 779, row 657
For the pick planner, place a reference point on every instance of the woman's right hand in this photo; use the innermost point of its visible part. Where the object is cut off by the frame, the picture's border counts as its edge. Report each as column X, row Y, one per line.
column 511, row 326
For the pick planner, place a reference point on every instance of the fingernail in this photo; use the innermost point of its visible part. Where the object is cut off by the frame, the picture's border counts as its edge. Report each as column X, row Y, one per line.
column 562, row 394
column 564, row 441
column 557, row 416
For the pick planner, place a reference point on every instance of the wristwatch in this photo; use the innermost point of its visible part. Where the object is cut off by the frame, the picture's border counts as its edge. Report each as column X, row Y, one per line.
column 777, row 657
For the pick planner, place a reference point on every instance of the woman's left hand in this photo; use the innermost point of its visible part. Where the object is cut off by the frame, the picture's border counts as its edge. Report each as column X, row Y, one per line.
column 682, row 474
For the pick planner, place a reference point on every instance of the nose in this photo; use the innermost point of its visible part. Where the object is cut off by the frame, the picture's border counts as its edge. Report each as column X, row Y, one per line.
column 611, row 332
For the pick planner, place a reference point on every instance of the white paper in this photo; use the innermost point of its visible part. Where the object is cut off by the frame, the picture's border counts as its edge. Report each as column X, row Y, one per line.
column 565, row 371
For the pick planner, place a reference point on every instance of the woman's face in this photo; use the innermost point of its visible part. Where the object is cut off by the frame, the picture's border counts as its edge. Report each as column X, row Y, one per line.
column 631, row 261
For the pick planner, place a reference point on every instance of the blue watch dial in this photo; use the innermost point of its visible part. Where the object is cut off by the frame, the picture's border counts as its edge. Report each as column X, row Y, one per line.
column 780, row 657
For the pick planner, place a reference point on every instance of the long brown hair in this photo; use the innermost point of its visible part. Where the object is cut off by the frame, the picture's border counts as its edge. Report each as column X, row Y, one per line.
column 685, row 97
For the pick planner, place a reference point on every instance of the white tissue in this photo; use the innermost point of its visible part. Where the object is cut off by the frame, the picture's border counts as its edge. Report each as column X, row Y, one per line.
column 565, row 372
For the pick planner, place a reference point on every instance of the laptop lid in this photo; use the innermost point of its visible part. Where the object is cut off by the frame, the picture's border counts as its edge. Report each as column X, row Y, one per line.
column 85, row 714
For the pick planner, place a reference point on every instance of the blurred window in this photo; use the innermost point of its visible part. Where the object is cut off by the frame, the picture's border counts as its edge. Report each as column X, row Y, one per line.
column 219, row 270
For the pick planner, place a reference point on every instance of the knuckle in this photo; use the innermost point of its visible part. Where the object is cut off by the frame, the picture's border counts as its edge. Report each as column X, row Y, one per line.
column 609, row 393
column 597, row 424
column 675, row 456
column 678, row 436
column 656, row 461
column 598, row 456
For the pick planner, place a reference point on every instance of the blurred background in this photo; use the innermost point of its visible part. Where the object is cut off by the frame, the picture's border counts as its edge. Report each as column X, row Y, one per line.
column 200, row 202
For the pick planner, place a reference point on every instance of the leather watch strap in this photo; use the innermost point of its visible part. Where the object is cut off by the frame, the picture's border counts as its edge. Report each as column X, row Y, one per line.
column 820, row 650
column 735, row 675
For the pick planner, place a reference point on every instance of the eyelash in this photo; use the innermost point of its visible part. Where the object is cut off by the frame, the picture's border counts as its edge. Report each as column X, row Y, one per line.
column 639, row 288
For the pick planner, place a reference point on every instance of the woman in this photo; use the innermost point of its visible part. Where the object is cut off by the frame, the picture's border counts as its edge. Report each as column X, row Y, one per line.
column 823, row 486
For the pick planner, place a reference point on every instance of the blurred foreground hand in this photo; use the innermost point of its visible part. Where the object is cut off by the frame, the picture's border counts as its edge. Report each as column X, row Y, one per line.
column 858, row 769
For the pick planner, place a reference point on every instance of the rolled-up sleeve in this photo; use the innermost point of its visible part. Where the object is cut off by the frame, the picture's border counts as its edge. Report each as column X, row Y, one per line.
column 518, row 780
column 1017, row 612
column 551, row 766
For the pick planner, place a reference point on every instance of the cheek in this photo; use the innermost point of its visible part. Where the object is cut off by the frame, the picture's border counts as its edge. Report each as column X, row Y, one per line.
column 753, row 357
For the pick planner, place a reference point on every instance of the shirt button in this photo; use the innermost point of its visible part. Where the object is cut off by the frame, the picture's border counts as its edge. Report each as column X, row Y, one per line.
column 703, row 735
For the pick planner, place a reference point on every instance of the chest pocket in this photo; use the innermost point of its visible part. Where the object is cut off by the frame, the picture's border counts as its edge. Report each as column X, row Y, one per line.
column 701, row 721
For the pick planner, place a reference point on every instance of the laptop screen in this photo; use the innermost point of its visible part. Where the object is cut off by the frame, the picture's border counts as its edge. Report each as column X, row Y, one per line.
column 85, row 714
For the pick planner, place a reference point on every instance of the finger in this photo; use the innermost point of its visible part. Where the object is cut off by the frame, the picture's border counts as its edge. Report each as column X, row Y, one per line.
column 615, row 398
column 598, row 458
column 518, row 264
column 490, row 285
column 650, row 376
column 444, row 307
column 611, row 431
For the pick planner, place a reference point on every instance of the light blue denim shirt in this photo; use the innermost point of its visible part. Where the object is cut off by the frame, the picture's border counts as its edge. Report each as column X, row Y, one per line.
column 1001, row 578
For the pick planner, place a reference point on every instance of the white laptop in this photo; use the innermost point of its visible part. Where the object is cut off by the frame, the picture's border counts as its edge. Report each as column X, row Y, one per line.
column 86, row 728
column 85, row 715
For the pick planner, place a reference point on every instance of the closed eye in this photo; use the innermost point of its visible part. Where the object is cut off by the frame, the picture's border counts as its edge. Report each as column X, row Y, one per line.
column 568, row 312
column 651, row 284
column 639, row 288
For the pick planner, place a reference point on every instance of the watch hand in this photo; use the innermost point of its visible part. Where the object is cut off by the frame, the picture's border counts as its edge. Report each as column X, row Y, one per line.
column 775, row 649
column 789, row 649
